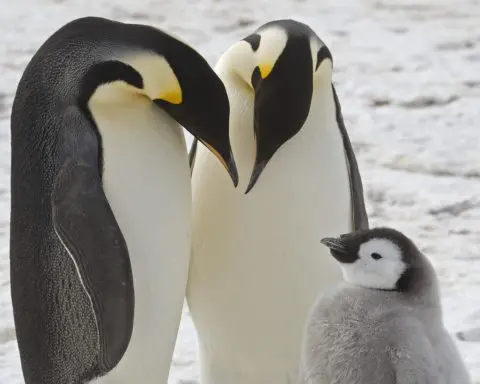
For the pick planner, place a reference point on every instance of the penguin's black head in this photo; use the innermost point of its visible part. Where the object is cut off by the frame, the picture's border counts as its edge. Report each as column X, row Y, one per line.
column 201, row 103
column 281, row 63
column 175, row 77
column 379, row 258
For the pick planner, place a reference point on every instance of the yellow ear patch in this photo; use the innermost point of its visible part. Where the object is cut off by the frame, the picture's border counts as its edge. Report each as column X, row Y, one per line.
column 172, row 97
column 265, row 70
column 159, row 79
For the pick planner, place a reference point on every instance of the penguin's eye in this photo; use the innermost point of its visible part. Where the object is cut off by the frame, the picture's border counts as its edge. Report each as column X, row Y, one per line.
column 376, row 256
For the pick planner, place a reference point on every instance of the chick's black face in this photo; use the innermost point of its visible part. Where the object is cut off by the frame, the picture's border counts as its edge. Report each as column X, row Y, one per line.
column 346, row 249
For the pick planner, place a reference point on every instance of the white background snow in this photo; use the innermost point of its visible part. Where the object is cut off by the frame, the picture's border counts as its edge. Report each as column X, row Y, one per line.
column 408, row 78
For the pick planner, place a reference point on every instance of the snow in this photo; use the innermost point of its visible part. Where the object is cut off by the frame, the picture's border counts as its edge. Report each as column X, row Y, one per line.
column 407, row 74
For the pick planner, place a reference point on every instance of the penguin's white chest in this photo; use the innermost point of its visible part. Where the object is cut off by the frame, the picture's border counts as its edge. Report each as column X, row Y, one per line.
column 257, row 262
column 147, row 182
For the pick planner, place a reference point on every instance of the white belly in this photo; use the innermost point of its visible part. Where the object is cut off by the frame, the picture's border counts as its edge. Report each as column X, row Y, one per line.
column 257, row 262
column 147, row 183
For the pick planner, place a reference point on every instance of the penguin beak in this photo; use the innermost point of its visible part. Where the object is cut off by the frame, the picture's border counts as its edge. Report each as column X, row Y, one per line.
column 283, row 94
column 205, row 113
column 334, row 244
column 339, row 249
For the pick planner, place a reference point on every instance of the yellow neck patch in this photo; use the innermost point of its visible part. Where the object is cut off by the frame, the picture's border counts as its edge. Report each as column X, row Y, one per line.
column 265, row 70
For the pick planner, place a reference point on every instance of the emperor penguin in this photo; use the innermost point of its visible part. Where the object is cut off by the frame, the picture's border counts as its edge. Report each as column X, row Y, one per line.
column 384, row 324
column 257, row 265
column 101, row 199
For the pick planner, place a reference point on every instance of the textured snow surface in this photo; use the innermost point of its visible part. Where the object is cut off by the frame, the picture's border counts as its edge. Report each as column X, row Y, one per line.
column 408, row 78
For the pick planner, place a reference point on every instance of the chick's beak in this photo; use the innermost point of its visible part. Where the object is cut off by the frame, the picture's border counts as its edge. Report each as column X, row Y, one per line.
column 339, row 249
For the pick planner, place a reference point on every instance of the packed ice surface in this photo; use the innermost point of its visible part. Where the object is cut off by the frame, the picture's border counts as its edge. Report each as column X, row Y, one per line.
column 408, row 77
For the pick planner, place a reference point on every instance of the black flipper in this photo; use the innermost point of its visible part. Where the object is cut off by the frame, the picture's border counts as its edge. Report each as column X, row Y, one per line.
column 359, row 212
column 84, row 222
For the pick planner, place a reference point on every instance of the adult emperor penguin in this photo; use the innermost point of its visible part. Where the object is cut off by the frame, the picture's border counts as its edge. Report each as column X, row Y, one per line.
column 101, row 199
column 384, row 324
column 255, row 270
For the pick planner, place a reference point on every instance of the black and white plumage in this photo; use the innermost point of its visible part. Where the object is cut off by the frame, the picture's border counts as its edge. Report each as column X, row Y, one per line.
column 255, row 262
column 384, row 325
column 101, row 199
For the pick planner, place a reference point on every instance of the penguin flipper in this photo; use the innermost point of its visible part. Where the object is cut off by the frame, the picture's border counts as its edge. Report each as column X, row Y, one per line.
column 85, row 224
column 192, row 154
column 418, row 368
column 359, row 212
column 413, row 357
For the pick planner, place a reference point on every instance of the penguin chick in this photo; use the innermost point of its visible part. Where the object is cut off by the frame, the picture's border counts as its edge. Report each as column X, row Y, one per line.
column 384, row 324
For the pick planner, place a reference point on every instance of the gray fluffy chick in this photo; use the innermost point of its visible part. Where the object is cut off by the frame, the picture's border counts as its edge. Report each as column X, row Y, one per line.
column 384, row 325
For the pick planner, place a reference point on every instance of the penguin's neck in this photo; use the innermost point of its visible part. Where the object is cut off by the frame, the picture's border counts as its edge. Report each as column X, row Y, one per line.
column 147, row 183
column 422, row 291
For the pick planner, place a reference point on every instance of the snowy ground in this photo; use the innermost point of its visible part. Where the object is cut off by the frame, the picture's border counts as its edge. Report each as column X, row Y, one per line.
column 408, row 77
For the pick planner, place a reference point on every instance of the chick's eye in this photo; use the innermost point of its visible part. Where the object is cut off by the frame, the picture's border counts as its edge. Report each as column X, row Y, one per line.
column 376, row 256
